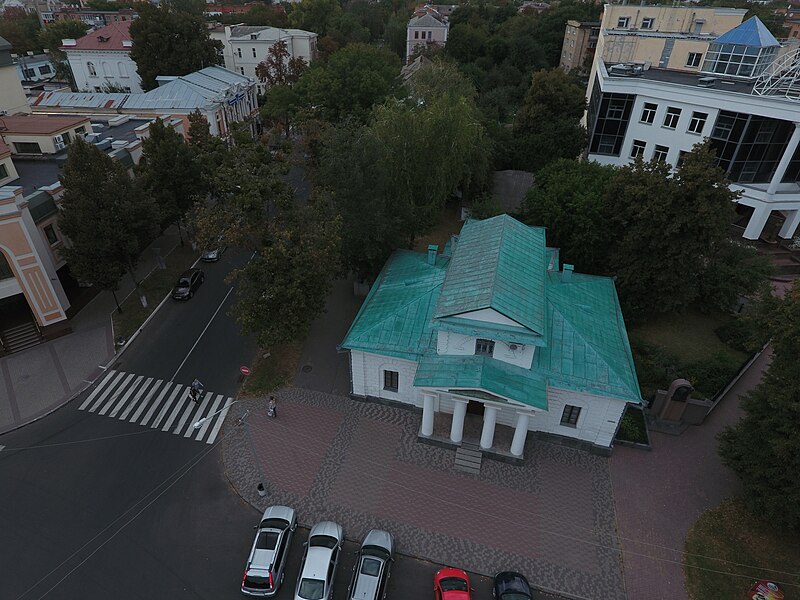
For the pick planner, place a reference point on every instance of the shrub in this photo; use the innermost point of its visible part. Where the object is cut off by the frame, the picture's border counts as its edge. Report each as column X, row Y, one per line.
column 710, row 375
column 741, row 333
column 632, row 427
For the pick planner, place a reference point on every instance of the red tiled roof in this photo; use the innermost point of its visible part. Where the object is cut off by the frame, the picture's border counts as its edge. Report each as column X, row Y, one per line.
column 38, row 124
column 109, row 37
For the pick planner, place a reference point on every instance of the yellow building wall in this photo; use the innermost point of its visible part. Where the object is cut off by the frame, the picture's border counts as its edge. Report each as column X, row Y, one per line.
column 12, row 98
column 45, row 141
column 674, row 19
column 680, row 54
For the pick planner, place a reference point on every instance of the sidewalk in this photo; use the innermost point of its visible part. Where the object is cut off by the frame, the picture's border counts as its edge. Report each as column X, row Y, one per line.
column 39, row 380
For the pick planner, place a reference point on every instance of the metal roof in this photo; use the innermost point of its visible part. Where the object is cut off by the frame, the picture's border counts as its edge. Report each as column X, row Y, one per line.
column 584, row 345
column 194, row 90
column 498, row 263
column 41, row 205
column 426, row 21
column 80, row 100
column 750, row 33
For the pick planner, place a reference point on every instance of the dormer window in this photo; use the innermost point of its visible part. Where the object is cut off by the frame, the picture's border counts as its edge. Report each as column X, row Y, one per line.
column 484, row 347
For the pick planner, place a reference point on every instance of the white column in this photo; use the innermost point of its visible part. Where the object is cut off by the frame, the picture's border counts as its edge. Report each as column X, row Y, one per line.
column 457, row 427
column 520, row 434
column 785, row 160
column 489, row 420
column 790, row 225
column 756, row 223
column 427, row 415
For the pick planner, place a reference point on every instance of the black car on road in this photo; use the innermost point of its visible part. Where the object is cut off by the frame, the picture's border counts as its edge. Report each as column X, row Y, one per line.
column 509, row 585
column 187, row 284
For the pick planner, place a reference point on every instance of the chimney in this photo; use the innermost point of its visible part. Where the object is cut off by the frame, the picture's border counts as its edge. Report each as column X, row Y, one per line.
column 566, row 274
column 432, row 250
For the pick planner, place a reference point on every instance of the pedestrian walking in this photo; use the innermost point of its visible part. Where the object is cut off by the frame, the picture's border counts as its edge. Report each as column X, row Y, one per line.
column 272, row 407
column 196, row 390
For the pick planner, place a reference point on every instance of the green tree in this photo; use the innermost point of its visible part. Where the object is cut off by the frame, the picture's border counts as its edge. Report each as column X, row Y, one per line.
column 396, row 32
column 547, row 126
column 50, row 38
column 169, row 174
column 314, row 15
column 763, row 448
column 280, row 107
column 167, row 41
column 569, row 198
column 465, row 42
column 107, row 220
column 350, row 82
column 440, row 78
column 283, row 289
column 19, row 28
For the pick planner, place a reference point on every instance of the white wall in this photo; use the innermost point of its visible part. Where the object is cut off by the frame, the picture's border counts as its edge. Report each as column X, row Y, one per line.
column 456, row 344
column 367, row 373
column 110, row 67
column 489, row 315
column 597, row 422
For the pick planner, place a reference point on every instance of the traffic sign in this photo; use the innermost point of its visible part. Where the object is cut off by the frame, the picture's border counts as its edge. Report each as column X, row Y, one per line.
column 245, row 370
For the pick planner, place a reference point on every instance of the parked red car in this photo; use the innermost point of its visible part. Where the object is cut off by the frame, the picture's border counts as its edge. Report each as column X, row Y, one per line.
column 451, row 584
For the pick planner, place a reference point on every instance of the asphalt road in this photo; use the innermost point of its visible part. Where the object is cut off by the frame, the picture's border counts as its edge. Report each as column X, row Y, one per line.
column 95, row 507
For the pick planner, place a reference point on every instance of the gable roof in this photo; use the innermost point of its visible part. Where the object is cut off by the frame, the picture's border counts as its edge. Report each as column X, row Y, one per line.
column 498, row 263
column 750, row 33
column 194, row 90
column 426, row 20
column 114, row 36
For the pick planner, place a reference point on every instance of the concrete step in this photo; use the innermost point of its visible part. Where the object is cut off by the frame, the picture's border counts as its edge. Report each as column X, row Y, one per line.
column 21, row 337
column 468, row 459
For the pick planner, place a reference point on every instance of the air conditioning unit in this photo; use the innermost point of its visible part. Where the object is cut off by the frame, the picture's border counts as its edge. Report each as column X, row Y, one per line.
column 515, row 347
column 59, row 142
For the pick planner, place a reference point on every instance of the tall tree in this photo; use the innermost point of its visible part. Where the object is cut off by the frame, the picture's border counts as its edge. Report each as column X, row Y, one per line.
column 314, row 15
column 50, row 38
column 763, row 448
column 167, row 41
column 350, row 82
column 19, row 28
column 105, row 217
column 547, row 126
column 279, row 67
column 569, row 198
column 169, row 174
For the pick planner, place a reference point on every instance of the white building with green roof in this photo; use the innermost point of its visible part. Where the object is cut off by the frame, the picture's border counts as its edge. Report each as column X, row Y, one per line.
column 493, row 324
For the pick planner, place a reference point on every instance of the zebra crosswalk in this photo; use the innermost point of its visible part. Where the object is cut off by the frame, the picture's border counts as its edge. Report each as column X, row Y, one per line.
column 157, row 404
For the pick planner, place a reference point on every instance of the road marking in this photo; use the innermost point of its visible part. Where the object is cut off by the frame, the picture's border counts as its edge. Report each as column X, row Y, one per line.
column 164, row 410
column 190, row 407
column 124, row 400
column 190, row 429
column 174, row 413
column 155, row 404
column 144, row 403
column 218, row 424
column 97, row 390
column 1, row 447
column 114, row 385
column 136, row 399
column 211, row 320
column 207, row 424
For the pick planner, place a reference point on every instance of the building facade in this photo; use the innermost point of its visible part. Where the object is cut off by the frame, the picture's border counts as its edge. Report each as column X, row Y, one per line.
column 493, row 327
column 34, row 68
column 580, row 41
column 738, row 89
column 244, row 46
column 101, row 60
column 12, row 96
column 428, row 28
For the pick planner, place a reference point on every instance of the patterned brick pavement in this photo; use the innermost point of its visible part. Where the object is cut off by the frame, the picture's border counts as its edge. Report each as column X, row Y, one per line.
column 660, row 494
column 360, row 464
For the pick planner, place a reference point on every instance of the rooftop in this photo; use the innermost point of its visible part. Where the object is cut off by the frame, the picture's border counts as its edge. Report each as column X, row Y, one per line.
column 688, row 79
column 114, row 36
column 426, row 20
column 750, row 33
column 38, row 124
column 266, row 33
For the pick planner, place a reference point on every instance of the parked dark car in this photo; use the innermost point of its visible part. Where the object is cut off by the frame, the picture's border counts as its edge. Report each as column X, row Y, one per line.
column 509, row 585
column 187, row 284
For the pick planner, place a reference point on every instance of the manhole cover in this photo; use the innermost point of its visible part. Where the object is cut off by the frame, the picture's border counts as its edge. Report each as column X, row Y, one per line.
column 306, row 368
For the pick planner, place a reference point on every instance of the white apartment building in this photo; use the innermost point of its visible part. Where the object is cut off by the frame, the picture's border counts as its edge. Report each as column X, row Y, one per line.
column 101, row 60
column 245, row 46
column 656, row 96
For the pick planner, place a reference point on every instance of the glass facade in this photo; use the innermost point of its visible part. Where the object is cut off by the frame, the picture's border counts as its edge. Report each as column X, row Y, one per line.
column 749, row 147
column 738, row 60
column 609, row 115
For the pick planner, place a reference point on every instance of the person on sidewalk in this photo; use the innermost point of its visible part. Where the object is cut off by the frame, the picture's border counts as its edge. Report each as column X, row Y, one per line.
column 272, row 407
column 196, row 390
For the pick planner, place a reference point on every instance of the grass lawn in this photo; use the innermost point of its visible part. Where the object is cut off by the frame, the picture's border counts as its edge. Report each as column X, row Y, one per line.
column 450, row 224
column 274, row 371
column 730, row 532
column 155, row 287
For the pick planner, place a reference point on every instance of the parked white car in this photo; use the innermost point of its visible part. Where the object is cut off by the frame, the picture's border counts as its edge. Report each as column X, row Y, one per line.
column 371, row 571
column 320, row 560
column 264, row 572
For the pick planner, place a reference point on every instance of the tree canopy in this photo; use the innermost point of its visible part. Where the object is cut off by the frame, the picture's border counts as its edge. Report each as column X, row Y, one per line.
column 763, row 448
column 19, row 28
column 50, row 38
column 167, row 41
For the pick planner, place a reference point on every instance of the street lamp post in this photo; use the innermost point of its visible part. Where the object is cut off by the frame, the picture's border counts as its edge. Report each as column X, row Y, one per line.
column 205, row 420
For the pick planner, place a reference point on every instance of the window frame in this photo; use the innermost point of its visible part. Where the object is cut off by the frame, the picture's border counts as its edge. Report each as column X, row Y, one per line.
column 389, row 378
column 648, row 115
column 659, row 149
column 648, row 22
column 3, row 171
column 697, row 123
column 672, row 117
column 571, row 415
column 623, row 22
column 691, row 63
column 639, row 145
column 484, row 347
column 50, row 229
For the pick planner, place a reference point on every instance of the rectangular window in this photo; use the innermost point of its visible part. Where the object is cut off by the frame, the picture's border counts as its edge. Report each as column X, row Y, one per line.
column 698, row 122
column 694, row 58
column 80, row 130
column 50, row 233
column 649, row 113
column 660, row 153
column 254, row 53
column 484, row 347
column 391, row 381
column 672, row 117
column 570, row 415
column 681, row 155
column 430, row 35
column 239, row 52
column 416, row 35
column 242, row 70
column 45, row 70
column 638, row 148
column 616, row 108
column 27, row 147
column 3, row 171
column 648, row 22
column 29, row 73
column 622, row 22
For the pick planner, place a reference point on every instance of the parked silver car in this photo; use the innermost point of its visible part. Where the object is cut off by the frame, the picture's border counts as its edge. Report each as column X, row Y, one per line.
column 371, row 571
column 265, row 566
column 318, row 570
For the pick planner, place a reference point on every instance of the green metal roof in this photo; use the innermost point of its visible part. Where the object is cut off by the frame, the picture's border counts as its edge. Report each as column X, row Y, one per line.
column 497, row 263
column 41, row 205
column 583, row 346
column 395, row 318
column 472, row 373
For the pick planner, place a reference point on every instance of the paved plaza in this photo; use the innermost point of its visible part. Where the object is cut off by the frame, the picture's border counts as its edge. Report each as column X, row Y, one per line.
column 359, row 463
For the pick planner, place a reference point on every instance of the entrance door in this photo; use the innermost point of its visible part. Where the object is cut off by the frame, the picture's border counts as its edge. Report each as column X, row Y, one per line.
column 475, row 408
